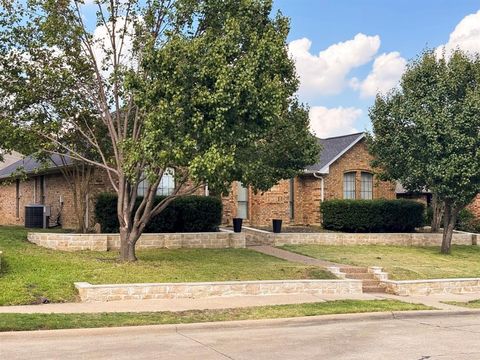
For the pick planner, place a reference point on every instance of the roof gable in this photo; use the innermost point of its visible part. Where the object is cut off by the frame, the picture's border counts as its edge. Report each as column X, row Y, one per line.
column 332, row 149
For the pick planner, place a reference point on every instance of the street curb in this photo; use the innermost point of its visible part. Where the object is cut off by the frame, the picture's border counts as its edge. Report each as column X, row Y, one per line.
column 261, row 323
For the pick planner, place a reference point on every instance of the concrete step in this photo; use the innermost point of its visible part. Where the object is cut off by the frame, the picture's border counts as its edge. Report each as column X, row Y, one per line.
column 360, row 276
column 353, row 270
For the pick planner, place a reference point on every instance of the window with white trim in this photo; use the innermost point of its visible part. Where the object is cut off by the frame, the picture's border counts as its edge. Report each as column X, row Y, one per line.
column 366, row 186
column 349, row 185
column 242, row 201
column 165, row 187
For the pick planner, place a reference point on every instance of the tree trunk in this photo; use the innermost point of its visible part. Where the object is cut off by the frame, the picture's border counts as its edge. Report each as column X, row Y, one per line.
column 128, row 239
column 449, row 220
column 438, row 209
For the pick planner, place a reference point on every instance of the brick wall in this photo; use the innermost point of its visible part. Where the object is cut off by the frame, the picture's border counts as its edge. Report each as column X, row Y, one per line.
column 475, row 206
column 56, row 188
column 274, row 203
column 262, row 207
column 357, row 159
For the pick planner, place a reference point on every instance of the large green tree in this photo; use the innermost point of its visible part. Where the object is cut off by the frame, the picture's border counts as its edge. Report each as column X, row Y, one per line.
column 426, row 133
column 205, row 87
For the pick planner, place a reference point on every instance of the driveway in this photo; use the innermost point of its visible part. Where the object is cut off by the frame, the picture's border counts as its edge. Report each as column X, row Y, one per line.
column 376, row 336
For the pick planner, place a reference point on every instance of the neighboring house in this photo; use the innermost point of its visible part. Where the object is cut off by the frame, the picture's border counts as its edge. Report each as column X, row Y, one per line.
column 342, row 172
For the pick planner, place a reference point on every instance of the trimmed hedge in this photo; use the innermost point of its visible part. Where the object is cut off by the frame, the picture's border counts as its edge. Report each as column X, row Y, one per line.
column 184, row 214
column 372, row 215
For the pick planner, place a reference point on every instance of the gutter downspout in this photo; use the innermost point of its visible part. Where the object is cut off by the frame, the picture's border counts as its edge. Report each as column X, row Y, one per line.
column 322, row 180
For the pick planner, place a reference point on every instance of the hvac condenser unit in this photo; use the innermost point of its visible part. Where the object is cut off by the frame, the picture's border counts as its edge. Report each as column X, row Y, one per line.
column 37, row 216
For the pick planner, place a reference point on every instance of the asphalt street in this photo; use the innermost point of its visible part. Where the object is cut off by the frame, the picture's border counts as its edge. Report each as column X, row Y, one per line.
column 377, row 336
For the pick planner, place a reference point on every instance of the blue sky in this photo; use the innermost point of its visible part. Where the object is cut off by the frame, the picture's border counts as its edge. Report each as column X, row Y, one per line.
column 348, row 50
column 398, row 30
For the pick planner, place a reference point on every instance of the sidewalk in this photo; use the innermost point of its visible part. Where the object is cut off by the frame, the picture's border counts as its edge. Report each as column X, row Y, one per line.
column 228, row 302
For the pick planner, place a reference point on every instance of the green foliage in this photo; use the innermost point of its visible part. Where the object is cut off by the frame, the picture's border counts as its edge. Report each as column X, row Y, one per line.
column 193, row 85
column 372, row 215
column 426, row 132
column 184, row 214
column 467, row 221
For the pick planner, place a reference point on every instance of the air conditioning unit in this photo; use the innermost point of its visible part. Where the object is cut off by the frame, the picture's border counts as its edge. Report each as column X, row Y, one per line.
column 37, row 216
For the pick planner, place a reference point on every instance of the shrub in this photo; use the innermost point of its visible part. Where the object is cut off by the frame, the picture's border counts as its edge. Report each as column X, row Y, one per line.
column 184, row 214
column 468, row 222
column 372, row 215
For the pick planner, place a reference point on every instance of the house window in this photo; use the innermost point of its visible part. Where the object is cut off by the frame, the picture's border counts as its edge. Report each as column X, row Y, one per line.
column 165, row 187
column 366, row 189
column 292, row 199
column 242, row 201
column 349, row 185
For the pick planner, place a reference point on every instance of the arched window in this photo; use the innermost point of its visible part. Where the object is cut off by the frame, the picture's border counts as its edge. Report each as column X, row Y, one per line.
column 349, row 185
column 366, row 186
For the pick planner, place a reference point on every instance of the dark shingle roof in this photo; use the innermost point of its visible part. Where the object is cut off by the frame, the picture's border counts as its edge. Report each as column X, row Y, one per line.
column 30, row 165
column 332, row 148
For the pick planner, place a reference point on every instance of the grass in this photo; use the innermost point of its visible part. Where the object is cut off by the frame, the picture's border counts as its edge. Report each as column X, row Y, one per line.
column 30, row 272
column 402, row 263
column 473, row 304
column 23, row 322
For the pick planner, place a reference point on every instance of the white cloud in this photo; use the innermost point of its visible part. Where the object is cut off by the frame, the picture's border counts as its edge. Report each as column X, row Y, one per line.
column 102, row 46
column 325, row 73
column 465, row 36
column 386, row 72
column 326, row 122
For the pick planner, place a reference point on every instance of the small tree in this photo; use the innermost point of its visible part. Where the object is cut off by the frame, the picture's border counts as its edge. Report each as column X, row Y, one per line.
column 426, row 134
column 205, row 87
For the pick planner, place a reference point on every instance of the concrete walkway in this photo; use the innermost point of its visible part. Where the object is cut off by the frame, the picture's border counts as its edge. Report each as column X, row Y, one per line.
column 179, row 304
column 293, row 257
column 229, row 302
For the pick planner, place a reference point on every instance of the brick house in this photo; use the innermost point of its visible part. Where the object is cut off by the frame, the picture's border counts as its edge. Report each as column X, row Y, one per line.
column 342, row 172
column 45, row 184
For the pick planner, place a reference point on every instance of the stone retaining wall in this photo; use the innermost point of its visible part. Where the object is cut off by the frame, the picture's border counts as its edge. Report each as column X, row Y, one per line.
column 432, row 286
column 114, row 292
column 104, row 242
column 259, row 237
column 69, row 242
column 255, row 237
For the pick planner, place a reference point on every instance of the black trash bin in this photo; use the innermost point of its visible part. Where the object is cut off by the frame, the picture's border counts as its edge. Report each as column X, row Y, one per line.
column 277, row 225
column 237, row 225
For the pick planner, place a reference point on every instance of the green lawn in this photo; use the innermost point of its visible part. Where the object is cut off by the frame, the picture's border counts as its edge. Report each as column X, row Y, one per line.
column 402, row 263
column 30, row 272
column 473, row 304
column 21, row 322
